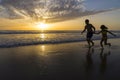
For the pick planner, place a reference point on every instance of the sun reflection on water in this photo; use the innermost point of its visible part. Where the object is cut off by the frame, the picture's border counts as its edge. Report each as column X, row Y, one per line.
column 42, row 36
column 43, row 50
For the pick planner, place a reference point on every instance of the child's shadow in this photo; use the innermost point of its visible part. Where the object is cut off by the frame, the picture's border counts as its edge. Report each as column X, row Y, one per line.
column 103, row 58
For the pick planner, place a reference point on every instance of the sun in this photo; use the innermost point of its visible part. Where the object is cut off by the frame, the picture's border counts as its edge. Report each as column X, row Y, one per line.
column 41, row 26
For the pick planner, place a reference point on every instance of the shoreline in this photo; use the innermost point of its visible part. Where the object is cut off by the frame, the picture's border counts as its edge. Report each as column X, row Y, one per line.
column 57, row 43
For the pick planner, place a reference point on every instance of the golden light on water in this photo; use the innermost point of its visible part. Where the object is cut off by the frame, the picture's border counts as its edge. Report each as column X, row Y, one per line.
column 43, row 48
column 43, row 51
column 42, row 36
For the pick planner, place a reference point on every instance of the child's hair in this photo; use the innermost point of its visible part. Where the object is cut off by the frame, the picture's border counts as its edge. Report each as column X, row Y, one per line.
column 103, row 27
column 87, row 20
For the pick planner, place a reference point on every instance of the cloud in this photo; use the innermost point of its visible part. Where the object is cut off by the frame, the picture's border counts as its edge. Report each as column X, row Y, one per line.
column 45, row 10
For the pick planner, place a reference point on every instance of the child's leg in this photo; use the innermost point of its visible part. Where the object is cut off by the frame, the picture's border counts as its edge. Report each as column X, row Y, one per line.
column 89, row 36
column 107, row 43
column 92, row 42
column 101, row 43
column 88, row 40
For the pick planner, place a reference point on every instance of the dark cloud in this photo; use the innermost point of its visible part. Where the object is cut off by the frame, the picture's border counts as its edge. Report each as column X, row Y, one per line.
column 48, row 10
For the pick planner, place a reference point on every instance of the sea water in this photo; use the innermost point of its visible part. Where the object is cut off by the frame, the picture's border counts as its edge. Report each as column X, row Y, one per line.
column 14, row 38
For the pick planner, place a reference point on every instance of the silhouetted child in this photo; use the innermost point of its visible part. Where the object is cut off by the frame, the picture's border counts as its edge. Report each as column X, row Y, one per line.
column 104, row 31
column 90, row 30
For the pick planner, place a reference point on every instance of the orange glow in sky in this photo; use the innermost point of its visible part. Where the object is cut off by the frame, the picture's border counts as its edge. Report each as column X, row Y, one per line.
column 110, row 19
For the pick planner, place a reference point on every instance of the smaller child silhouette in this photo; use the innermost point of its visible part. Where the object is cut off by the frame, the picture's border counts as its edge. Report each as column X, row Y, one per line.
column 104, row 31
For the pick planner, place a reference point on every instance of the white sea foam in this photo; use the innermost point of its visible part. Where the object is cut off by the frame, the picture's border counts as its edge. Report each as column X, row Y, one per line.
column 24, row 38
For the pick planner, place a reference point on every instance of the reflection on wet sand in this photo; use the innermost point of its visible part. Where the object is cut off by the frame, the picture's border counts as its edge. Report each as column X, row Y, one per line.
column 89, row 61
column 92, row 63
column 103, row 58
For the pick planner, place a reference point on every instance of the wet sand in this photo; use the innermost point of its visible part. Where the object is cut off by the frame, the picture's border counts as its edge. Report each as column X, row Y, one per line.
column 68, row 61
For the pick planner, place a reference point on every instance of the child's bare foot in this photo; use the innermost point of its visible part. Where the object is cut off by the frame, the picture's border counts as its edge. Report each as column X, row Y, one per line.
column 92, row 43
column 102, row 47
column 109, row 44
column 89, row 46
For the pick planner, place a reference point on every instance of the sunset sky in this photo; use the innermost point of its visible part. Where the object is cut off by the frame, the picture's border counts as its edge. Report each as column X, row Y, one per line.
column 58, row 14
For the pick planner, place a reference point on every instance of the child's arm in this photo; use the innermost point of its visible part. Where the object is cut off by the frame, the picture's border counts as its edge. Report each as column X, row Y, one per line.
column 84, row 30
column 111, row 33
column 98, row 32
column 93, row 28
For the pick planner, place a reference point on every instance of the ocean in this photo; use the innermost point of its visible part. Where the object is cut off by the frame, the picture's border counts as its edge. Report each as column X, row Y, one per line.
column 9, row 38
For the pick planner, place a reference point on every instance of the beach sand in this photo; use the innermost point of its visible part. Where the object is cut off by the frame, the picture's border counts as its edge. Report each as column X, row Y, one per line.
column 67, row 61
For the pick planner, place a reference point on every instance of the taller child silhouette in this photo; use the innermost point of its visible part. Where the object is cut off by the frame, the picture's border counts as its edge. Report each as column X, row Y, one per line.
column 90, row 30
